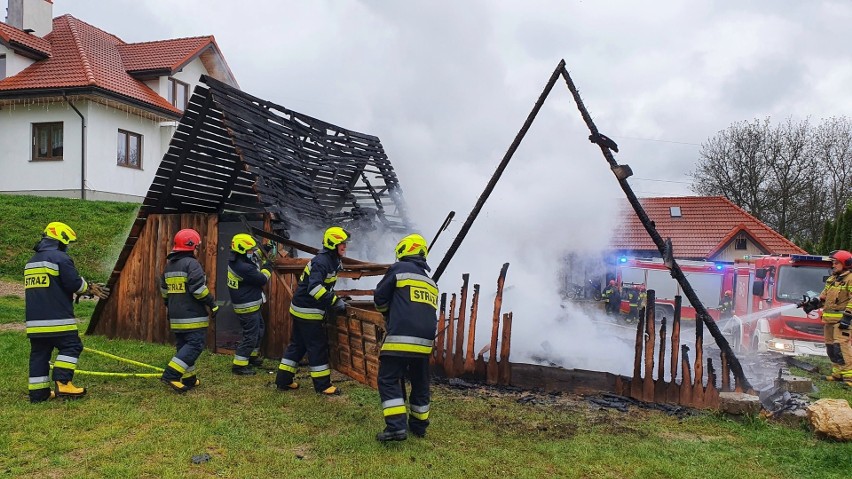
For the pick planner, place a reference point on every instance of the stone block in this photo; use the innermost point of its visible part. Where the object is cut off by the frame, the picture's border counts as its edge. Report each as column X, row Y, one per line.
column 739, row 403
column 794, row 384
column 831, row 418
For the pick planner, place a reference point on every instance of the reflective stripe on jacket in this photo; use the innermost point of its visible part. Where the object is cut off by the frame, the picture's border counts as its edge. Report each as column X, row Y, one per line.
column 315, row 291
column 409, row 299
column 838, row 297
column 184, row 287
column 245, row 284
column 50, row 281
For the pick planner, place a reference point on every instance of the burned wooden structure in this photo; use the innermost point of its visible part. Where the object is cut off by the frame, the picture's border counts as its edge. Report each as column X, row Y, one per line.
column 236, row 157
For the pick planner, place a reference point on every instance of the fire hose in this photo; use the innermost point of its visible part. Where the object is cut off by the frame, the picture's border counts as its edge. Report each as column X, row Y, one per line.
column 118, row 375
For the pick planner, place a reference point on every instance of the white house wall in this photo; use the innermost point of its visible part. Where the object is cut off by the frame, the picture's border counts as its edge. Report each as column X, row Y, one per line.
column 106, row 179
column 14, row 62
column 20, row 173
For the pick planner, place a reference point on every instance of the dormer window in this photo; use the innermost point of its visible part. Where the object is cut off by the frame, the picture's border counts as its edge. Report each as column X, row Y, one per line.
column 178, row 93
column 675, row 211
column 741, row 242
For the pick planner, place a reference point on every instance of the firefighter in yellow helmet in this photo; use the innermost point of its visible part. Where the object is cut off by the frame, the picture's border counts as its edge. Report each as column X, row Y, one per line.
column 313, row 301
column 50, row 281
column 408, row 298
column 245, row 284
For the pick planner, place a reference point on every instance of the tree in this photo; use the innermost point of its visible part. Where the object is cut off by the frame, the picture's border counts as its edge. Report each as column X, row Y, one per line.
column 794, row 176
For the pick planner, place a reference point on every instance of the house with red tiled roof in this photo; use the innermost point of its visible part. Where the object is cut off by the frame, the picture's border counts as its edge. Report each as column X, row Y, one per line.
column 84, row 114
column 703, row 228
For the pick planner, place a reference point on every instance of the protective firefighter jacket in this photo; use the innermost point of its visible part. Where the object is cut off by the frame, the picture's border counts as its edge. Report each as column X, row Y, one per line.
column 315, row 292
column 183, row 286
column 245, row 284
column 50, row 281
column 838, row 297
column 409, row 300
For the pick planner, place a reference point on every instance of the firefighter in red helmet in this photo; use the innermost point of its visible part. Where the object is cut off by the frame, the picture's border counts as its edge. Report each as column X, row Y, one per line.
column 836, row 303
column 726, row 306
column 183, row 287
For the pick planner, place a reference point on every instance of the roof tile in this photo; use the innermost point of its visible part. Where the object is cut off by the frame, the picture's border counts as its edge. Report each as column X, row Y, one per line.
column 14, row 37
column 706, row 223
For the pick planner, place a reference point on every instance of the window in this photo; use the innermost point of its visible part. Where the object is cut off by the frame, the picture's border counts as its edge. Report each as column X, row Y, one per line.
column 741, row 243
column 129, row 149
column 47, row 141
column 2, row 67
column 675, row 211
column 178, row 93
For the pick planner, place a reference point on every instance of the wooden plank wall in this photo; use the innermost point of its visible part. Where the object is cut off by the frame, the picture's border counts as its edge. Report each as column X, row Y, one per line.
column 135, row 308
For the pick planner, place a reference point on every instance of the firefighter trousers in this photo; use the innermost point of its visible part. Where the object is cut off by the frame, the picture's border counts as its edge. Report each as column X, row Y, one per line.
column 839, row 349
column 249, row 345
column 69, row 348
column 392, row 371
column 306, row 337
column 189, row 346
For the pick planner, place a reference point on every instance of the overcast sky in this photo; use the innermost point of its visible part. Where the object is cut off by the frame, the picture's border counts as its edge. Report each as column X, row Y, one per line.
column 446, row 85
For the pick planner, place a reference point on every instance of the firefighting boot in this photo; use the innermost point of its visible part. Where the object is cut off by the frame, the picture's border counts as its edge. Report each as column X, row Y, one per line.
column 43, row 399
column 832, row 377
column 243, row 371
column 68, row 390
column 331, row 391
column 290, row 387
column 190, row 382
column 256, row 361
column 386, row 435
column 177, row 386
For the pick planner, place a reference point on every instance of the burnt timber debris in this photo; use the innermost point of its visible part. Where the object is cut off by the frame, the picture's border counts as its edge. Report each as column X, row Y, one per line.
column 234, row 154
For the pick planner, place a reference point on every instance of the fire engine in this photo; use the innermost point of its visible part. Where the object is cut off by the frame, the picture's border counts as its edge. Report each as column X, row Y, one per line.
column 709, row 280
column 766, row 291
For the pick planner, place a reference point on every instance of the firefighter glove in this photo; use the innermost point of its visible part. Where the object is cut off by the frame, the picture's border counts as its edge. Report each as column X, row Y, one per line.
column 214, row 311
column 339, row 306
column 845, row 321
column 809, row 304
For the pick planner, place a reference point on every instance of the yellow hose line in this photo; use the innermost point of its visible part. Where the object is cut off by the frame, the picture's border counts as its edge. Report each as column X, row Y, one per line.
column 125, row 360
column 116, row 375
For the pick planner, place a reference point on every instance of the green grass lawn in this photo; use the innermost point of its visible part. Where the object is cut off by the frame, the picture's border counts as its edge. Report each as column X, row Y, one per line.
column 101, row 228
column 133, row 427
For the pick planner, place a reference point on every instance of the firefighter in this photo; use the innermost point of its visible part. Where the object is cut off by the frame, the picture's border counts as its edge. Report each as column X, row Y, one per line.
column 726, row 306
column 183, row 287
column 836, row 301
column 314, row 301
column 245, row 285
column 633, row 302
column 643, row 301
column 50, row 281
column 408, row 299
column 607, row 295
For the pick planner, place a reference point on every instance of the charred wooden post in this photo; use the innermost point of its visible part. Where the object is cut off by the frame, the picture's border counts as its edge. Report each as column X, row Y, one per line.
column 438, row 354
column 448, row 357
column 686, row 379
column 661, row 369
column 505, row 373
column 650, row 339
column 711, row 374
column 458, row 356
column 698, row 390
column 496, row 176
column 635, row 382
column 469, row 363
column 491, row 376
column 675, row 338
column 726, row 375
column 622, row 173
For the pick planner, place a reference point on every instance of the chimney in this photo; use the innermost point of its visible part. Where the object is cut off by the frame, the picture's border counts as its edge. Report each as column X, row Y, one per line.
column 36, row 15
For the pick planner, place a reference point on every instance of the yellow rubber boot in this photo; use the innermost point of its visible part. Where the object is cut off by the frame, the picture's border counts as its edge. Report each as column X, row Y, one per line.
column 331, row 391
column 69, row 390
column 177, row 386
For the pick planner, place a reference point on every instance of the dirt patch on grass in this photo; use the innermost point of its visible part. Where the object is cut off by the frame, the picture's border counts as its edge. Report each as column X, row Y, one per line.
column 12, row 327
column 11, row 288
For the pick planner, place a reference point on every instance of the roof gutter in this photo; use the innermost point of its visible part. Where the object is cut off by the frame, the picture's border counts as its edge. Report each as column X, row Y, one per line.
column 82, row 147
column 35, row 93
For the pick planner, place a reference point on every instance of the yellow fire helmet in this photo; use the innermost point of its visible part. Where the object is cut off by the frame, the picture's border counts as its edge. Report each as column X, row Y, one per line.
column 412, row 245
column 334, row 236
column 243, row 243
column 60, row 232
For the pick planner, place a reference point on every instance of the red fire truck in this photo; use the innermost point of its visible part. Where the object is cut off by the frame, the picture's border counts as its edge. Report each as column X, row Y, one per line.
column 709, row 280
column 766, row 290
